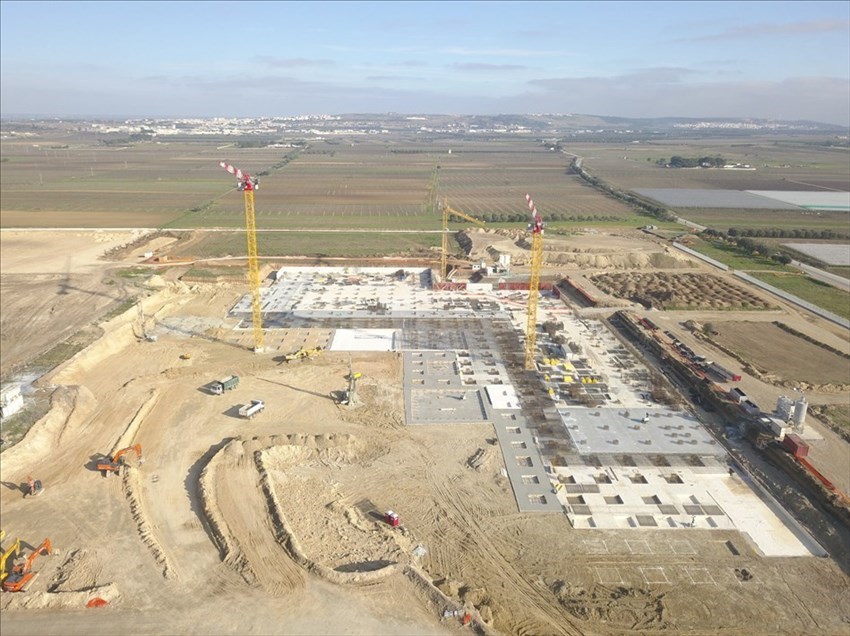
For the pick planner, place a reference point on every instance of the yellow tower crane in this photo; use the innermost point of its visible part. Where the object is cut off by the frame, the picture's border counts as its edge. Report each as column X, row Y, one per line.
column 536, row 229
column 448, row 210
column 247, row 185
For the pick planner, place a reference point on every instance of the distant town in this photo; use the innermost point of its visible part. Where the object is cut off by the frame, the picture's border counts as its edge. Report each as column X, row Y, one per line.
column 323, row 125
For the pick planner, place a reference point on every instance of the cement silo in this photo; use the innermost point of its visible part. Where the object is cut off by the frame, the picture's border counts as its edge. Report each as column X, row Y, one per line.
column 800, row 409
column 784, row 406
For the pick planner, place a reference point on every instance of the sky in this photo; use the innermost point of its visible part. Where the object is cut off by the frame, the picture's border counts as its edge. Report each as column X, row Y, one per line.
column 770, row 60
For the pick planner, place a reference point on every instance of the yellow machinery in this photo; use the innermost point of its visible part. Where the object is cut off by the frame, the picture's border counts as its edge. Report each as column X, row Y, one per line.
column 302, row 354
column 448, row 210
column 247, row 185
column 14, row 549
column 536, row 229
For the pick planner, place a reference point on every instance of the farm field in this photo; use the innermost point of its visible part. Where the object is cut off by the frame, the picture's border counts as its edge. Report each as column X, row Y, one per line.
column 779, row 165
column 825, row 296
column 316, row 244
column 382, row 184
column 791, row 358
column 724, row 219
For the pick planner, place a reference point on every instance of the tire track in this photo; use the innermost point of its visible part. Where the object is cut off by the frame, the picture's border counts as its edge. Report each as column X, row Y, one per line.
column 542, row 616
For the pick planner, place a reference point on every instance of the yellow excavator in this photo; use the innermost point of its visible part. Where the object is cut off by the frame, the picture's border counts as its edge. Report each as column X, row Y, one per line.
column 115, row 463
column 302, row 354
column 14, row 549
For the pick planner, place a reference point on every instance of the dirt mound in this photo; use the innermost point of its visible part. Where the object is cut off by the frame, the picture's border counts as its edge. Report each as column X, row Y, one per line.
column 133, row 492
column 65, row 600
column 237, row 515
column 70, row 408
column 74, row 584
column 661, row 290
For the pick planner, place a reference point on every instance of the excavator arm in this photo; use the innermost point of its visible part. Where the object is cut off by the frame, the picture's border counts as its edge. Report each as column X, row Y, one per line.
column 114, row 464
column 22, row 575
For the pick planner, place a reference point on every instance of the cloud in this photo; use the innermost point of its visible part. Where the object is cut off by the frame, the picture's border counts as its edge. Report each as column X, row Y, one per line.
column 477, row 66
column 462, row 50
column 393, row 78
column 813, row 27
column 292, row 62
column 676, row 92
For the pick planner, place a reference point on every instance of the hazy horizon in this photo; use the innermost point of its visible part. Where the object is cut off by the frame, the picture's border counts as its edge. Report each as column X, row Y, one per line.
column 760, row 60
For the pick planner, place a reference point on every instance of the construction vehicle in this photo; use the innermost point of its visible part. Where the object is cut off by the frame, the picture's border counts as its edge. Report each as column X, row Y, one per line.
column 302, row 354
column 448, row 210
column 255, row 407
column 349, row 396
column 34, row 487
column 21, row 574
column 14, row 549
column 218, row 387
column 536, row 228
column 247, row 184
column 185, row 356
column 117, row 461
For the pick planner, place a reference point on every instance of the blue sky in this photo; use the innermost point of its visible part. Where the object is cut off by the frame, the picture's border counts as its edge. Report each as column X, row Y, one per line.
column 777, row 60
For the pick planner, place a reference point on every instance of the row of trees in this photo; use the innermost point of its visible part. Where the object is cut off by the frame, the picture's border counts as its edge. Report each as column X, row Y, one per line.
column 642, row 206
column 693, row 162
column 749, row 246
column 518, row 217
column 774, row 232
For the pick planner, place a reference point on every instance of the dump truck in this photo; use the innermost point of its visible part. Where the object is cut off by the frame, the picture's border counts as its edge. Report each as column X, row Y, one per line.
column 225, row 384
column 253, row 408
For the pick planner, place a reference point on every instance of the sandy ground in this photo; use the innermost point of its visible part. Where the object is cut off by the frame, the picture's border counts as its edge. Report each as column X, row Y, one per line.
column 272, row 525
column 52, row 283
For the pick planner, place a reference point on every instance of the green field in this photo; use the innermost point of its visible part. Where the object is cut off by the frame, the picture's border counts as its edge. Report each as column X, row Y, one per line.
column 735, row 257
column 824, row 296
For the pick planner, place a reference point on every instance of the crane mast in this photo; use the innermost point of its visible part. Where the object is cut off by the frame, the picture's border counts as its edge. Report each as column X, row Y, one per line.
column 536, row 229
column 448, row 210
column 247, row 185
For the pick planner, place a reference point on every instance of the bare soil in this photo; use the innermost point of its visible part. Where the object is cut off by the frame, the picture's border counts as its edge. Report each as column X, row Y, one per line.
column 785, row 355
column 274, row 525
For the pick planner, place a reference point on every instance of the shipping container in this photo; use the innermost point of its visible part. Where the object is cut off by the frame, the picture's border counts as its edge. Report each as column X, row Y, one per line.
column 796, row 446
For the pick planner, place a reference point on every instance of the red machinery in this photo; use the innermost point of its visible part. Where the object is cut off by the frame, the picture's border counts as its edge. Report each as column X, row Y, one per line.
column 391, row 518
column 22, row 574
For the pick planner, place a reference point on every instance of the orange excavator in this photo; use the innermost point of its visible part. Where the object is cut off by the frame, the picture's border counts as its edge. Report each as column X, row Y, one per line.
column 14, row 549
column 22, row 575
column 115, row 463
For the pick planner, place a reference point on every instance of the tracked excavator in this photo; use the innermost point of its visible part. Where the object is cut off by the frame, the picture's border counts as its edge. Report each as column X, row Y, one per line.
column 22, row 575
column 114, row 464
column 14, row 549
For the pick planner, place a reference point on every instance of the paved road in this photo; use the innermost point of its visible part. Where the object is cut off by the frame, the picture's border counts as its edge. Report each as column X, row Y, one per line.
column 823, row 276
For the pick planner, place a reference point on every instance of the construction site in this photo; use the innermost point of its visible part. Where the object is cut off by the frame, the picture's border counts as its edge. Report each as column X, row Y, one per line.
column 501, row 448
